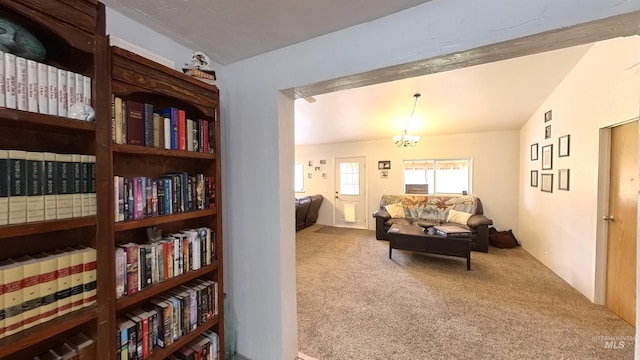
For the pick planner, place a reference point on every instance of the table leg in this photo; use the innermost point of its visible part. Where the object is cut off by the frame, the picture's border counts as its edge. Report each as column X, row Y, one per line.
column 390, row 248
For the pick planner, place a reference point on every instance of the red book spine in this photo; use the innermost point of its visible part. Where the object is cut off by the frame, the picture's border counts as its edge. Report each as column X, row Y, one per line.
column 137, row 199
column 182, row 130
column 204, row 137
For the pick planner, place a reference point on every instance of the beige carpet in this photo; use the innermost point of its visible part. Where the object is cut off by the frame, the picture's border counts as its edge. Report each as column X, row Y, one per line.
column 355, row 303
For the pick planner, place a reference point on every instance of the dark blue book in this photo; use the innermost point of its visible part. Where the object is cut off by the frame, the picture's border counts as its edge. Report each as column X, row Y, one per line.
column 172, row 114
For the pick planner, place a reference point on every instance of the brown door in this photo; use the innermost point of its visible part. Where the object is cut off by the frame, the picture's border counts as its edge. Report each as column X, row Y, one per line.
column 622, row 222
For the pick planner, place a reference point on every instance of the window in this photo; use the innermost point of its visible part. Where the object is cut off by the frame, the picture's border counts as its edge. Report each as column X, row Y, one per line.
column 350, row 178
column 437, row 176
column 298, row 181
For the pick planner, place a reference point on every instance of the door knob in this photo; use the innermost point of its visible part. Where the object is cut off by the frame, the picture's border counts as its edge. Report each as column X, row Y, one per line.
column 609, row 218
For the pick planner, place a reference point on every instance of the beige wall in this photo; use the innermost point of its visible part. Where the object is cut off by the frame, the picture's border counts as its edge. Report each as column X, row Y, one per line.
column 560, row 228
column 495, row 166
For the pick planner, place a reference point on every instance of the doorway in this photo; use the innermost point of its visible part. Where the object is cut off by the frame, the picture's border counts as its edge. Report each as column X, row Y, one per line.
column 350, row 195
column 621, row 222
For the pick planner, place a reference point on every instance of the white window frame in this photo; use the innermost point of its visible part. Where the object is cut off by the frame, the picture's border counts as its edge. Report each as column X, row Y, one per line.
column 406, row 163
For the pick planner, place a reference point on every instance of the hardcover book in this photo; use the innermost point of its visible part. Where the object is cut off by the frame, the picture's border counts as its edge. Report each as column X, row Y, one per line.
column 17, row 186
column 43, row 88
column 10, row 80
column 21, row 83
column 71, row 89
column 48, row 286
column 76, row 184
column 89, row 275
column 85, row 179
column 50, row 190
column 148, row 124
column 84, row 346
column 92, row 184
column 79, row 99
column 64, row 181
column 63, row 294
column 30, row 291
column 3, row 89
column 63, row 93
column 118, row 119
column 52, row 81
column 4, row 187
column 35, row 186
column 32, row 86
column 135, row 122
column 86, row 91
column 12, row 278
column 77, row 278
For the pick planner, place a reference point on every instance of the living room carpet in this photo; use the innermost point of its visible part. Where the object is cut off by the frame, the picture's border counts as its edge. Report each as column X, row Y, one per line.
column 356, row 303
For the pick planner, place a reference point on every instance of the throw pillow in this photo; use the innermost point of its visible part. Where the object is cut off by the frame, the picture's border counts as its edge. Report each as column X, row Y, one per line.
column 458, row 217
column 395, row 210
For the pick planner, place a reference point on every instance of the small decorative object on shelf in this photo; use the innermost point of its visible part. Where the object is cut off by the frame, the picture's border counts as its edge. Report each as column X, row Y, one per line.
column 200, row 68
column 19, row 41
column 82, row 111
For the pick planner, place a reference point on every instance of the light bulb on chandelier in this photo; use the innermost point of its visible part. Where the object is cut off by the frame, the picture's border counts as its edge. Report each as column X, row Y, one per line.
column 406, row 140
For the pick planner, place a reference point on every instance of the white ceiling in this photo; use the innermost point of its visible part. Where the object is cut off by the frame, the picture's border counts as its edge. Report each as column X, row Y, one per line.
column 229, row 31
column 490, row 97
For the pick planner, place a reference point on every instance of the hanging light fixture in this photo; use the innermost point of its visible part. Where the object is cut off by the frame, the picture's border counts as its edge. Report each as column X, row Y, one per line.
column 406, row 140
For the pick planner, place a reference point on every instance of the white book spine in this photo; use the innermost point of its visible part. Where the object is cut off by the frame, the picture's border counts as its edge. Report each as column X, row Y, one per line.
column 10, row 80
column 3, row 89
column 32, row 86
column 79, row 89
column 167, row 133
column 86, row 93
column 52, row 81
column 63, row 93
column 71, row 89
column 43, row 88
column 21, row 83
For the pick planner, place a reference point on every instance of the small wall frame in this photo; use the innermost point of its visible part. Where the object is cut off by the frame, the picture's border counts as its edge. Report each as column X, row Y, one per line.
column 563, row 179
column 564, row 143
column 546, row 183
column 547, row 157
column 534, row 178
column 534, row 152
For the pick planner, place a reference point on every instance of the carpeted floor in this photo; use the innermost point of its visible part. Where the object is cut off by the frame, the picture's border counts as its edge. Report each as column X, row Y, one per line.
column 355, row 303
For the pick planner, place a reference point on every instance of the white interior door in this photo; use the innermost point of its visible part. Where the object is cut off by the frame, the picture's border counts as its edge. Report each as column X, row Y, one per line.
column 350, row 206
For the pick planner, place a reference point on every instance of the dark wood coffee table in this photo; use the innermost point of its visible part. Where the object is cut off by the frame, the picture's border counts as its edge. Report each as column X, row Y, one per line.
column 415, row 238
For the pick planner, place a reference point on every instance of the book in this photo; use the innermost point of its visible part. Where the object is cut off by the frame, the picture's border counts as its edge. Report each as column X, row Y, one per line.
column 30, row 291
column 43, row 88
column 79, row 99
column 85, row 179
column 77, row 278
column 12, row 278
column 135, row 122
column 17, row 186
column 167, row 132
column 49, row 355
column 10, row 80
column 121, row 272
column 71, row 89
column 158, row 140
column 172, row 114
column 64, row 180
column 48, row 286
column 21, row 83
column 35, row 186
column 148, row 124
column 89, row 275
column 131, row 249
column 50, row 189
column 92, row 184
column 4, row 187
column 83, row 345
column 139, row 346
column 66, row 352
column 127, row 330
column 63, row 294
column 451, row 231
column 189, row 134
column 3, row 89
column 52, row 81
column 32, row 86
column 76, row 185
column 182, row 130
column 63, row 93
column 87, row 90
column 118, row 118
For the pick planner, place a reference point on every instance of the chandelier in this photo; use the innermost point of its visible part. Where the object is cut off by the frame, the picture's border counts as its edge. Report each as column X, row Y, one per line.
column 406, row 140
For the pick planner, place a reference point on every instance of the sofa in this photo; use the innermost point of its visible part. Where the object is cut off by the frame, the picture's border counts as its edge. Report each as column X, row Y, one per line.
column 307, row 209
column 461, row 210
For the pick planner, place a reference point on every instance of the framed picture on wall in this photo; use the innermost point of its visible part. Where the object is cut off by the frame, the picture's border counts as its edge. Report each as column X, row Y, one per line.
column 547, row 157
column 384, row 165
column 547, row 132
column 563, row 145
column 534, row 151
column 546, row 182
column 563, row 179
column 547, row 116
column 534, row 178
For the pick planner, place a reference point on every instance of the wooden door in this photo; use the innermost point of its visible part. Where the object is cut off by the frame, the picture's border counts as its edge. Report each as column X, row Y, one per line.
column 622, row 222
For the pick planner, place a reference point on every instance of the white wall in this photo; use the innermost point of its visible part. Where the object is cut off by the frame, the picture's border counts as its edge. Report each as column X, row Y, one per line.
column 259, row 285
column 495, row 166
column 560, row 228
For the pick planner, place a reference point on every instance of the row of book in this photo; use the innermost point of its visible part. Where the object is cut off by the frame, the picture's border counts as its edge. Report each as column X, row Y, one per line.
column 77, row 347
column 161, row 258
column 37, row 186
column 40, row 88
column 137, row 123
column 38, row 288
column 167, row 318
column 142, row 197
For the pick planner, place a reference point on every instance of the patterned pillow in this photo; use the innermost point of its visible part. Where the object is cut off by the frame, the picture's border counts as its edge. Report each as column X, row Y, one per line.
column 458, row 217
column 395, row 210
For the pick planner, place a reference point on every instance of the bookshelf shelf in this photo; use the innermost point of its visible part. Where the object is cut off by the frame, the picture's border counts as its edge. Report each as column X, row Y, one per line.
column 162, row 219
column 155, row 289
column 151, row 151
column 23, row 119
column 14, row 343
column 10, row 231
column 160, row 353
